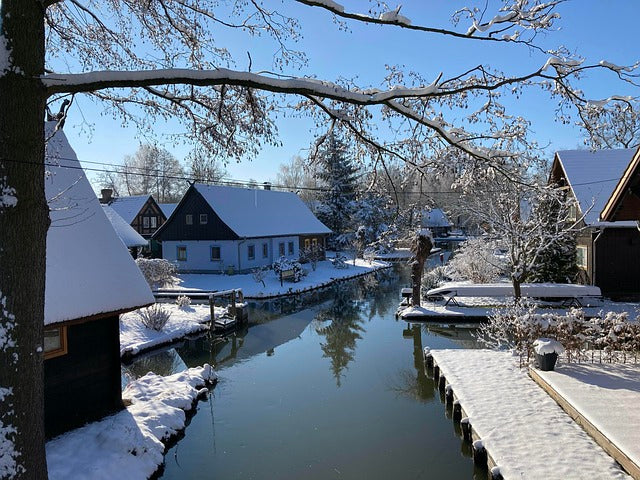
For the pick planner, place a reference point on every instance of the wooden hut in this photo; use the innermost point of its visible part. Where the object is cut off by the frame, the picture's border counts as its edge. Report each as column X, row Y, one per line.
column 90, row 280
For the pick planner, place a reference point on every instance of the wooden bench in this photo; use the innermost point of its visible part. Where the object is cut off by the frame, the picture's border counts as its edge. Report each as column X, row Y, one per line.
column 287, row 275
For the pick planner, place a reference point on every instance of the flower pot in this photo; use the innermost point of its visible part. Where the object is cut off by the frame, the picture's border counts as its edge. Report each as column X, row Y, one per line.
column 546, row 362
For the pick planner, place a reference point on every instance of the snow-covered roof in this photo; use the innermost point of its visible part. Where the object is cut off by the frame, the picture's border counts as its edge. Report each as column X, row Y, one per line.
column 435, row 218
column 261, row 213
column 167, row 208
column 129, row 207
column 127, row 234
column 593, row 175
column 89, row 270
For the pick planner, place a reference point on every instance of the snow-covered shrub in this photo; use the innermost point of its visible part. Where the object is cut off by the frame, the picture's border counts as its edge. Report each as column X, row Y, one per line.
column 475, row 261
column 183, row 301
column 369, row 255
column 434, row 278
column 339, row 261
column 259, row 274
column 157, row 271
column 284, row 264
column 312, row 255
column 154, row 317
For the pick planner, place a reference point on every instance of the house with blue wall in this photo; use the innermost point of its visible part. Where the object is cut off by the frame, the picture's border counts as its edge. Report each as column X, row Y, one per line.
column 218, row 228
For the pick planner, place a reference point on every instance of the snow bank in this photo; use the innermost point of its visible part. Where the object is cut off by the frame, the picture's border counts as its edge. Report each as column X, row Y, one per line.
column 135, row 337
column 325, row 274
column 130, row 444
column 523, row 429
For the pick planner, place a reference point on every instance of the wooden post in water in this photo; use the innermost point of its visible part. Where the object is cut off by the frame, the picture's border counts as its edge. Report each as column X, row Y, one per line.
column 457, row 411
column 233, row 303
column 212, row 324
column 479, row 454
column 436, row 373
column 466, row 428
column 442, row 383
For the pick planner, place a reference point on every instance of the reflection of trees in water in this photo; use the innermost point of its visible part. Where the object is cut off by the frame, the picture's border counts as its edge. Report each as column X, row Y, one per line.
column 342, row 334
column 161, row 363
column 414, row 384
column 462, row 334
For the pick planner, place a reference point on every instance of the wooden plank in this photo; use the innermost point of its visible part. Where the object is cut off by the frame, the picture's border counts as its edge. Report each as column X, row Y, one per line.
column 600, row 438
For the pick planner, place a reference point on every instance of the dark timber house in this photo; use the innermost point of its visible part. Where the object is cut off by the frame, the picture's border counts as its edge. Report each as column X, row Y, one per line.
column 604, row 185
column 230, row 229
column 141, row 212
column 90, row 280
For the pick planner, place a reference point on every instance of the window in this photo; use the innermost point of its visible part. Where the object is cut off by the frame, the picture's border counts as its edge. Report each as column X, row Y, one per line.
column 203, row 219
column 145, row 222
column 307, row 243
column 188, row 219
column 154, row 222
column 581, row 256
column 573, row 213
column 314, row 242
column 265, row 250
column 181, row 254
column 251, row 252
column 215, row 254
column 290, row 248
column 281, row 249
column 55, row 342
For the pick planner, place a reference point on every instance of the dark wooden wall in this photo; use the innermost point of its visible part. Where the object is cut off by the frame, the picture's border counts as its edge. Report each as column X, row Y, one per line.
column 85, row 384
column 149, row 209
column 195, row 204
column 617, row 263
column 321, row 239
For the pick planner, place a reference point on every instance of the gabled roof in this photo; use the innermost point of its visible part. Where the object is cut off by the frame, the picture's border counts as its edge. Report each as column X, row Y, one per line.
column 129, row 207
column 261, row 213
column 127, row 234
column 435, row 218
column 628, row 185
column 593, row 176
column 167, row 208
column 89, row 270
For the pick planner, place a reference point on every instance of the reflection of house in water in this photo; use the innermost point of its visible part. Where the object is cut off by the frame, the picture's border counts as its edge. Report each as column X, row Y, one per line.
column 461, row 334
column 163, row 363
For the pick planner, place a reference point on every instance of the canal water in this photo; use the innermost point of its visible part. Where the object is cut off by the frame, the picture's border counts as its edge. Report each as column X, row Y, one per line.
column 328, row 386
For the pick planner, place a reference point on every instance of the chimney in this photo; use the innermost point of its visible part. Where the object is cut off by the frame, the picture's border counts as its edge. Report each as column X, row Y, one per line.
column 266, row 186
column 107, row 195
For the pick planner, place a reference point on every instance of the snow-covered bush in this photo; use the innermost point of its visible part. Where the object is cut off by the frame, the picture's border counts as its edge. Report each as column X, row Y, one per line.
column 157, row 271
column 369, row 255
column 434, row 278
column 259, row 274
column 284, row 264
column 339, row 261
column 154, row 317
column 312, row 255
column 475, row 261
column 183, row 301
column 517, row 327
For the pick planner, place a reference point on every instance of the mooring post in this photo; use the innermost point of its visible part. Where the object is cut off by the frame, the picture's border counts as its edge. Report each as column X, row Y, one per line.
column 457, row 411
column 436, row 372
column 442, row 383
column 428, row 358
column 448, row 395
column 212, row 309
column 465, row 424
column 479, row 454
column 233, row 303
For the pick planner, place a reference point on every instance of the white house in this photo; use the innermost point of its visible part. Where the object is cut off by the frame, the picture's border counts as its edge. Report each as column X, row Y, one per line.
column 219, row 228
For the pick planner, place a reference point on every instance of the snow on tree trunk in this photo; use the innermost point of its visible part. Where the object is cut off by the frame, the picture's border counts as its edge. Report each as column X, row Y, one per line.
column 24, row 219
column 421, row 246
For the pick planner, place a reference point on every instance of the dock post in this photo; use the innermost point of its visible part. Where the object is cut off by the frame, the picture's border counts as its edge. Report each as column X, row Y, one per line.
column 212, row 324
column 479, row 454
column 436, row 372
column 442, row 383
column 457, row 411
column 466, row 428
column 448, row 395
column 233, row 303
column 428, row 360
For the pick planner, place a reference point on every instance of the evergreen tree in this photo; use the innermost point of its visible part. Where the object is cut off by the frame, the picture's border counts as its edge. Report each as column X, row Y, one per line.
column 337, row 175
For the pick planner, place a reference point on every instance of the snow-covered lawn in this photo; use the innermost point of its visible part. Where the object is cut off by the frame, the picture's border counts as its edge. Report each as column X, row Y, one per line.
column 135, row 337
column 325, row 274
column 523, row 429
column 130, row 444
column 607, row 395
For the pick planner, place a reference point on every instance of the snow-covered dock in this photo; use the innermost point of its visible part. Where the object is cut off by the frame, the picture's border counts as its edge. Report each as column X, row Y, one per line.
column 523, row 430
column 603, row 398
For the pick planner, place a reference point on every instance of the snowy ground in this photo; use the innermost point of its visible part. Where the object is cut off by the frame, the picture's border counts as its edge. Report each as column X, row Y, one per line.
column 130, row 444
column 135, row 337
column 607, row 395
column 325, row 274
column 523, row 429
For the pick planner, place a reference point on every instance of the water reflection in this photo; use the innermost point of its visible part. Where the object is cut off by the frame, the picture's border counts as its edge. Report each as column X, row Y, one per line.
column 414, row 384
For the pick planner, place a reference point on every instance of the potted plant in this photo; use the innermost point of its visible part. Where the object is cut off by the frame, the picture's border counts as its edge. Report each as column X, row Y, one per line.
column 546, row 351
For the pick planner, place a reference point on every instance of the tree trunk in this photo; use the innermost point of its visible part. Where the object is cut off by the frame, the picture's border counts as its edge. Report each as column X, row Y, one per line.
column 416, row 280
column 517, row 291
column 24, row 219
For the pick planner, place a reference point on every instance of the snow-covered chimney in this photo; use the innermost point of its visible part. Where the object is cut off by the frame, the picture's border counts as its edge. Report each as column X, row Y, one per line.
column 266, row 186
column 107, row 195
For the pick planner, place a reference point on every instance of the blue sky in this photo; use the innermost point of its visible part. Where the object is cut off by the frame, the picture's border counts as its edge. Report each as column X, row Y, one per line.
column 594, row 28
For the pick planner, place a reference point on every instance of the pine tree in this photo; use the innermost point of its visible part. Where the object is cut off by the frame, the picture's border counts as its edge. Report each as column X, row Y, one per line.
column 337, row 174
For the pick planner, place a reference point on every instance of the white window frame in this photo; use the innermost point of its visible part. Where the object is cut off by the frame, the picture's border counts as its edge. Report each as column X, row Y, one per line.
column 265, row 250
column 249, row 248
column 585, row 250
column 188, row 219
column 219, row 253
column 204, row 219
column 290, row 248
column 145, row 222
column 281, row 249
column 154, row 222
column 178, row 248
